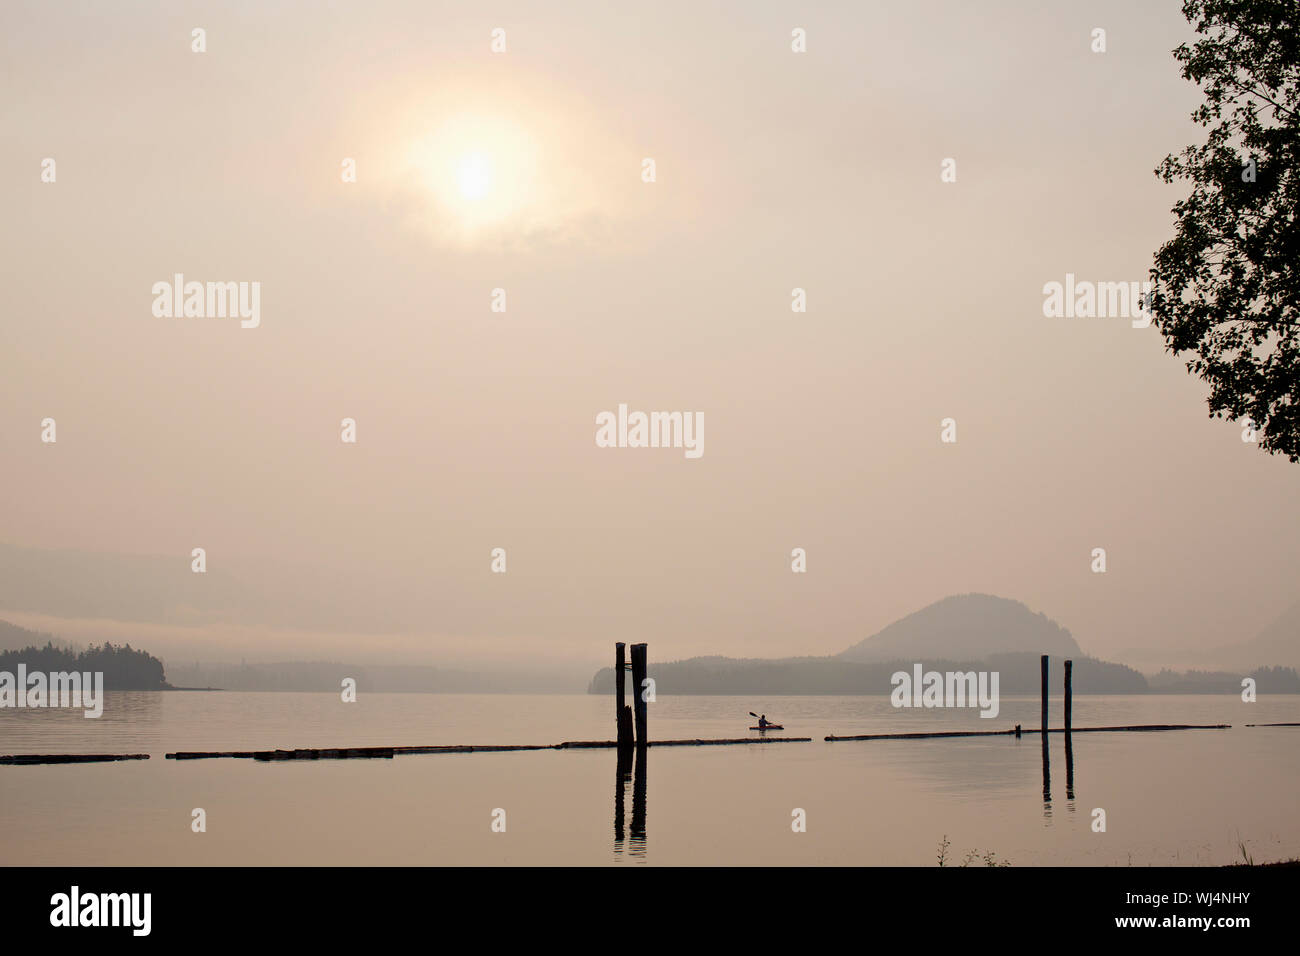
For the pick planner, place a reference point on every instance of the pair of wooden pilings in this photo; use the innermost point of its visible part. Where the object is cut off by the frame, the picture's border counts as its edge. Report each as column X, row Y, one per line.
column 1069, row 693
column 1069, row 748
column 625, row 716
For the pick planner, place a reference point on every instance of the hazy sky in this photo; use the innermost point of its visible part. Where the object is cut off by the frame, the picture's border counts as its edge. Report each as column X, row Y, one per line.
column 476, row 428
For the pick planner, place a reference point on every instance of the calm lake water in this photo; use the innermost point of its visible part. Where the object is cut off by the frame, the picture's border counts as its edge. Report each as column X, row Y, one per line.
column 1183, row 797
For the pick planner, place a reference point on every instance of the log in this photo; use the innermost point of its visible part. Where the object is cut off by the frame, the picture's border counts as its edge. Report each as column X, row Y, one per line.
column 1013, row 731
column 202, row 755
column 328, row 754
column 470, row 748
column 1142, row 727
column 353, row 752
column 25, row 759
column 731, row 740
column 698, row 742
column 927, row 736
column 343, row 753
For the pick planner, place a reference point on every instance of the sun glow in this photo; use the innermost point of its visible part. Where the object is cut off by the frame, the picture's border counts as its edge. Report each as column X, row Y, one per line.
column 479, row 172
column 474, row 176
column 473, row 170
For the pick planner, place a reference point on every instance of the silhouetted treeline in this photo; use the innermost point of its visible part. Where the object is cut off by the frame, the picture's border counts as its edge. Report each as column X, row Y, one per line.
column 123, row 667
column 1268, row 680
column 327, row 676
column 1018, row 673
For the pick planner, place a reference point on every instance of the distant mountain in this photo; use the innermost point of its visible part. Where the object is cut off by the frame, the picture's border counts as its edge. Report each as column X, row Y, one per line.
column 966, row 627
column 15, row 638
column 1279, row 643
column 1276, row 645
column 960, row 633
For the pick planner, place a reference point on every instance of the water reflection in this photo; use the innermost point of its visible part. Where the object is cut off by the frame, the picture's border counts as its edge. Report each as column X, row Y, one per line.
column 620, row 778
column 1069, row 771
column 131, row 722
column 630, row 773
column 1069, row 775
column 1047, row 778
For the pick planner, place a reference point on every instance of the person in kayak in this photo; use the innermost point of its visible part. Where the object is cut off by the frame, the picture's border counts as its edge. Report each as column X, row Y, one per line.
column 763, row 722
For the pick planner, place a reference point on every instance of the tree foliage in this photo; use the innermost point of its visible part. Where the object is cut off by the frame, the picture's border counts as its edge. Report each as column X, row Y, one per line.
column 1226, row 288
column 123, row 667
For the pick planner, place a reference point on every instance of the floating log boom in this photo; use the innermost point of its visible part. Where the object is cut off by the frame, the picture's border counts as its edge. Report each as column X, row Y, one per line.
column 1050, row 730
column 345, row 753
column 68, row 758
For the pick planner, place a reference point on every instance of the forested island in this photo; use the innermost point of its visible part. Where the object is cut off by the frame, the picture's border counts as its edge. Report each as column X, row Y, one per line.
column 123, row 667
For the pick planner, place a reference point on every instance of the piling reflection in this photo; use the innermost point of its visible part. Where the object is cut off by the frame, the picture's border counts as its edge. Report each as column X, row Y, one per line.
column 1069, row 775
column 1047, row 779
column 1069, row 770
column 638, row 841
column 621, row 776
column 630, row 774
column 1068, row 699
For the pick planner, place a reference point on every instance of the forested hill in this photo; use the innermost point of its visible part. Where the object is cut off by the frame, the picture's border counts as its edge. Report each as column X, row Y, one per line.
column 963, row 632
column 123, row 667
column 13, row 638
column 966, row 627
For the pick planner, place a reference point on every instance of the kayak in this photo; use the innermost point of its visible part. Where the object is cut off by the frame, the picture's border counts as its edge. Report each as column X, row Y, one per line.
column 769, row 727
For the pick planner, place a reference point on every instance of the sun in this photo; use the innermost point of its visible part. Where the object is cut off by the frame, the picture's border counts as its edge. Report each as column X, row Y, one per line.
column 480, row 174
column 474, row 176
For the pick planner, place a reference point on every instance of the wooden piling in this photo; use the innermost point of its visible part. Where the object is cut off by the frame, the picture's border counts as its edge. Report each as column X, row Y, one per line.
column 1047, row 770
column 1043, row 685
column 619, row 679
column 1069, row 743
column 638, row 694
column 622, row 715
column 1069, row 695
